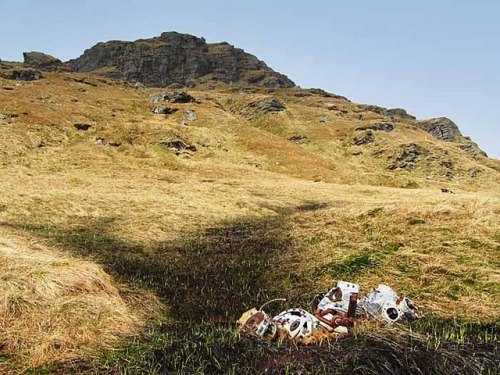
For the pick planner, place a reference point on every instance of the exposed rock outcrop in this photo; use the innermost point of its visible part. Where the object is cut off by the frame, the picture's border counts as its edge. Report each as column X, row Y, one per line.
column 364, row 139
column 383, row 126
column 182, row 97
column 22, row 75
column 444, row 129
column 267, row 105
column 177, row 58
column 441, row 128
column 472, row 149
column 375, row 109
column 407, row 158
column 163, row 110
column 393, row 112
column 322, row 93
column 401, row 113
column 41, row 61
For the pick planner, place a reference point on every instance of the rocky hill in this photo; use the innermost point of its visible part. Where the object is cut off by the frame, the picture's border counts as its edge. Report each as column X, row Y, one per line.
column 177, row 58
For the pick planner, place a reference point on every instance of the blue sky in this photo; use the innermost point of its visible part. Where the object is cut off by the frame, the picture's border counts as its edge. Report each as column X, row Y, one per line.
column 433, row 58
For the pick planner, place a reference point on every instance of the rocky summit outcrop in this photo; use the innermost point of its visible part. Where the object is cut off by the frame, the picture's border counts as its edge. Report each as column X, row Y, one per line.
column 177, row 58
column 441, row 128
column 41, row 61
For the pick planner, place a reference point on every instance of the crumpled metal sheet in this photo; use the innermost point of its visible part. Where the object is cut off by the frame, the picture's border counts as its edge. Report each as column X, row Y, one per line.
column 338, row 297
column 333, row 313
column 384, row 304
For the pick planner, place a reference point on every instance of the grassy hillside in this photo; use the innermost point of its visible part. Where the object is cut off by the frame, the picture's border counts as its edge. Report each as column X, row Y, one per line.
column 249, row 216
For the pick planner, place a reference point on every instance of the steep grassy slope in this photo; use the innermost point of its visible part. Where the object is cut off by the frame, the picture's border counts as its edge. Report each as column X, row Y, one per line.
column 252, row 215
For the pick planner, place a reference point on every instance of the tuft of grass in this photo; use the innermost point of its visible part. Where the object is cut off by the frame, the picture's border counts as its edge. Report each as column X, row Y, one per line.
column 52, row 307
column 355, row 264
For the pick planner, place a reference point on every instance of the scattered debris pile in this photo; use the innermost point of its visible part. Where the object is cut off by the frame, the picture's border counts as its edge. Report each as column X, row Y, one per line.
column 333, row 314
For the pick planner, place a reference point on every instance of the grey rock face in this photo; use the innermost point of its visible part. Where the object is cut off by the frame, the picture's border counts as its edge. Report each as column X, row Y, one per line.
column 23, row 75
column 441, row 128
column 446, row 130
column 376, row 109
column 401, row 113
column 177, row 58
column 473, row 149
column 41, row 61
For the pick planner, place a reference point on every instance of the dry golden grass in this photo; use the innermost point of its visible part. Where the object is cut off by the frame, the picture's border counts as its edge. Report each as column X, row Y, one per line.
column 57, row 308
column 366, row 223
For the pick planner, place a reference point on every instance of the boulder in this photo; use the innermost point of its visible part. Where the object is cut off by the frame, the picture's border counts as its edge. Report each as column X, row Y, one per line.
column 82, row 126
column 190, row 115
column 473, row 172
column 163, row 110
column 159, row 97
column 41, row 61
column 181, row 97
column 267, row 105
column 364, row 139
column 23, row 75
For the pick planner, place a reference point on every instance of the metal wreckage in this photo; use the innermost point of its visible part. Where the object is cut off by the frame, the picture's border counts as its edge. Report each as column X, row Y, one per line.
column 333, row 314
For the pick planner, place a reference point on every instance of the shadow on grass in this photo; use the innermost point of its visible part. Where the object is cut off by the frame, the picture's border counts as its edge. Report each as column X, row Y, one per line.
column 209, row 278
